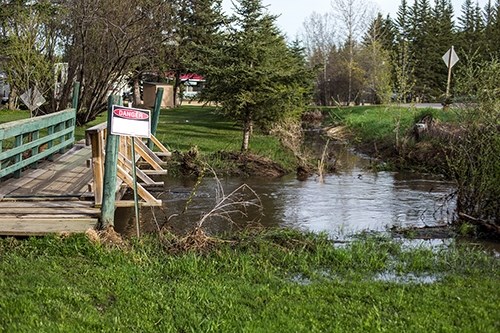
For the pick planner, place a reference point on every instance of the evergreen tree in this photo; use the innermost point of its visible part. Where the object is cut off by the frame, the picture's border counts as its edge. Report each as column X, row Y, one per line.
column 255, row 77
column 492, row 29
column 489, row 21
column 442, row 29
column 382, row 30
column 197, row 24
column 471, row 29
column 422, row 42
column 403, row 76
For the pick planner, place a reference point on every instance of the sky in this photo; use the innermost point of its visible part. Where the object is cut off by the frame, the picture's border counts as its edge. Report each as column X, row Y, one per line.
column 293, row 13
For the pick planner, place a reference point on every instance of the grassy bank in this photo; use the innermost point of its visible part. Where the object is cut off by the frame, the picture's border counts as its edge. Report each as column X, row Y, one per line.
column 279, row 281
column 389, row 132
column 186, row 127
column 381, row 123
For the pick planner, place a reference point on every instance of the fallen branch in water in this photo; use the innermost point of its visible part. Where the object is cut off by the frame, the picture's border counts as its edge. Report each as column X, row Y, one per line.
column 227, row 205
column 482, row 223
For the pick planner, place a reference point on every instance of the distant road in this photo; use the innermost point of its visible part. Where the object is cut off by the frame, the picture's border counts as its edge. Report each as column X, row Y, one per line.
column 421, row 105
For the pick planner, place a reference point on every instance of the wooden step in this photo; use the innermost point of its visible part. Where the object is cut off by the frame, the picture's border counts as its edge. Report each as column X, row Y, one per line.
column 38, row 226
column 34, row 218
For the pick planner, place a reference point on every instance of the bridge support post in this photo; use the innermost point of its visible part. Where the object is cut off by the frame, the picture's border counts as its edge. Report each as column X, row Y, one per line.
column 76, row 96
column 155, row 115
column 110, row 170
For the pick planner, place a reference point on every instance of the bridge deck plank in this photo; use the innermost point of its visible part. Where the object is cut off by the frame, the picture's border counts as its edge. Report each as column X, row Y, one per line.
column 67, row 176
column 46, row 200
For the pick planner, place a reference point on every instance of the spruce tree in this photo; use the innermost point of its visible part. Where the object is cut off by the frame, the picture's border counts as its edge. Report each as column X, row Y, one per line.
column 197, row 25
column 492, row 29
column 471, row 29
column 489, row 21
column 254, row 76
column 403, row 76
column 442, row 29
column 422, row 42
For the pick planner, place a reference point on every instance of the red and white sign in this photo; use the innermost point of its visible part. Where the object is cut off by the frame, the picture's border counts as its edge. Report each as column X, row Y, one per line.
column 130, row 122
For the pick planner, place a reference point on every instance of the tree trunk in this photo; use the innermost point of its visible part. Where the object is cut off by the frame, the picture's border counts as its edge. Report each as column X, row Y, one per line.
column 247, row 130
column 177, row 84
column 137, row 91
column 12, row 105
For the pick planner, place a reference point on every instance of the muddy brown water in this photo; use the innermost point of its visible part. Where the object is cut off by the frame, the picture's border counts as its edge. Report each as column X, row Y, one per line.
column 348, row 202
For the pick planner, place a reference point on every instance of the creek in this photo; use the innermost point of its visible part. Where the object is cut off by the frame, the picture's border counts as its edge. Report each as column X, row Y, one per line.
column 343, row 204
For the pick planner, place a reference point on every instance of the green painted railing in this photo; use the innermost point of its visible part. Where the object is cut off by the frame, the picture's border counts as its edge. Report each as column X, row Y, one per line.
column 25, row 142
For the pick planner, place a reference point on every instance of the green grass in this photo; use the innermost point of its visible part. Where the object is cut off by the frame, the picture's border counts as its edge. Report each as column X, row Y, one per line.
column 13, row 115
column 278, row 281
column 371, row 123
column 80, row 130
column 188, row 126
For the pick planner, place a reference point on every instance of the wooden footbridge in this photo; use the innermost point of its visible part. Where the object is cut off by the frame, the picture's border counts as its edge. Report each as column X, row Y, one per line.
column 51, row 184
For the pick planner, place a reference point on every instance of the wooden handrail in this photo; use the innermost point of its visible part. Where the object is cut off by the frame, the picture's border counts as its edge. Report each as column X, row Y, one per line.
column 25, row 142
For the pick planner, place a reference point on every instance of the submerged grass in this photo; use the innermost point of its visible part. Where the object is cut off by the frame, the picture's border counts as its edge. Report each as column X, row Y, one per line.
column 272, row 281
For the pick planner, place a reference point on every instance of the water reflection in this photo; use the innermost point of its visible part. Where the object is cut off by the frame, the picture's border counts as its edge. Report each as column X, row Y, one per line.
column 344, row 204
column 357, row 201
column 409, row 278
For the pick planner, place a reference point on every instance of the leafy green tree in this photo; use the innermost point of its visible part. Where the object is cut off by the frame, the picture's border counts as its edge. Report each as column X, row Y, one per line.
column 319, row 40
column 375, row 61
column 352, row 16
column 29, row 39
column 347, row 74
column 254, row 76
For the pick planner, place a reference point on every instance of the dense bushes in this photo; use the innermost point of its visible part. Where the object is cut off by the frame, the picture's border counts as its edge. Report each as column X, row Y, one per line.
column 474, row 157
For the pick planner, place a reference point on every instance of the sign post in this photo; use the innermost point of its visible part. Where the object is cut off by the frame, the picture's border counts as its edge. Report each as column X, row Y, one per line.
column 110, row 170
column 134, row 123
column 450, row 58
